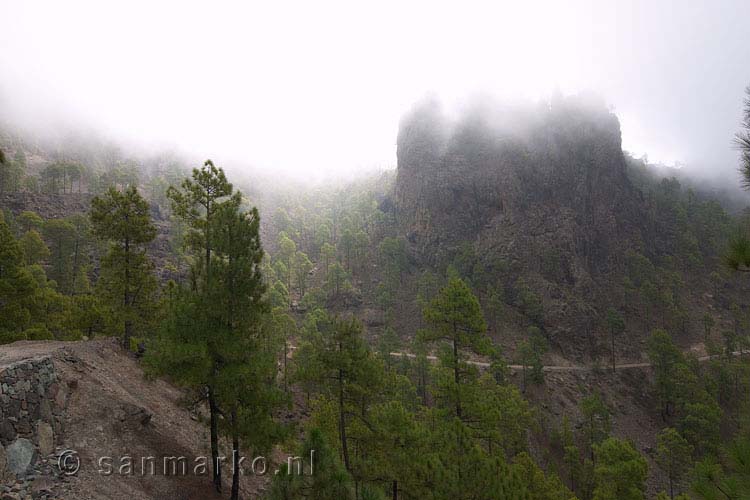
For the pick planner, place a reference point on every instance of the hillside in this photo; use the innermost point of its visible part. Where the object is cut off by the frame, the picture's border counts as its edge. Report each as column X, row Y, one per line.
column 107, row 408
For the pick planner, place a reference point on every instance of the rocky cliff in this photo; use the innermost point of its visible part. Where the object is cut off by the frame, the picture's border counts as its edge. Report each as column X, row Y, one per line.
column 537, row 192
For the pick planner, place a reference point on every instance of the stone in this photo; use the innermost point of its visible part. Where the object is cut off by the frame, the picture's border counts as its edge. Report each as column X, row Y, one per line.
column 45, row 411
column 46, row 438
column 133, row 413
column 5, row 475
column 60, row 399
column 21, row 455
column 7, row 431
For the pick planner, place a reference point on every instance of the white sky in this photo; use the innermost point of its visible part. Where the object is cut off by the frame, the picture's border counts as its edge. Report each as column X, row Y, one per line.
column 318, row 87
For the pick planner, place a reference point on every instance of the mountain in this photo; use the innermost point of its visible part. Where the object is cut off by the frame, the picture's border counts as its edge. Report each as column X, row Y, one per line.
column 542, row 198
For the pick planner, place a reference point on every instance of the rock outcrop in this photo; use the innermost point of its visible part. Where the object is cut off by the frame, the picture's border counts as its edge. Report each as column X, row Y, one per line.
column 540, row 191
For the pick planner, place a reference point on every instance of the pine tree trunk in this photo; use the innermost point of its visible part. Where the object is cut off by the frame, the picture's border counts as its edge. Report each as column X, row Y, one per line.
column 342, row 422
column 286, row 387
column 235, row 495
column 214, row 416
column 127, row 334
column 671, row 488
column 456, row 374
column 126, row 298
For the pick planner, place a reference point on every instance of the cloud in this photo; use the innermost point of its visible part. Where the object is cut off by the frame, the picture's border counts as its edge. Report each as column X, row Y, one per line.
column 315, row 87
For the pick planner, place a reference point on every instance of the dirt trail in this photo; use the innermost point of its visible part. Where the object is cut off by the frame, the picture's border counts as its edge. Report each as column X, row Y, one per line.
column 28, row 349
column 568, row 368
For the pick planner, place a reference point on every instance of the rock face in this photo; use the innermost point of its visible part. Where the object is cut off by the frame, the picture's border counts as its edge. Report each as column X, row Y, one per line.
column 539, row 191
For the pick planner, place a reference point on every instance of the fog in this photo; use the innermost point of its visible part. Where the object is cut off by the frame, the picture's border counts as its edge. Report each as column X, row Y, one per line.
column 317, row 88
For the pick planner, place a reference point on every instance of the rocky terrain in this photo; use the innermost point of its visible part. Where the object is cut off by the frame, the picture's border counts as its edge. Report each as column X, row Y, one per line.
column 90, row 402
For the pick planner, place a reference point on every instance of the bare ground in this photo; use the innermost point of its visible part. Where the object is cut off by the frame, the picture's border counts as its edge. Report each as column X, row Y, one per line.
column 106, row 390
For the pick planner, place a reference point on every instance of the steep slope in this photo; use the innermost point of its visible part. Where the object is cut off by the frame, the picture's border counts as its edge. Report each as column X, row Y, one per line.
column 108, row 409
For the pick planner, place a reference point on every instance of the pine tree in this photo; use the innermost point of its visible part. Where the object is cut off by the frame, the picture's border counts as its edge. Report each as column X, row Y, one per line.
column 674, row 455
column 596, row 420
column 245, row 365
column 327, row 478
column 60, row 235
column 341, row 365
column 196, row 203
column 620, row 471
column 302, row 267
column 615, row 325
column 664, row 357
column 33, row 247
column 16, row 288
column 287, row 252
column 127, row 281
column 455, row 317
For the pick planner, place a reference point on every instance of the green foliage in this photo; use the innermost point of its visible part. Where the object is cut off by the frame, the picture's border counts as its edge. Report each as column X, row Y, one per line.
column 674, row 455
column 664, row 357
column 455, row 317
column 394, row 258
column 738, row 253
column 216, row 337
column 530, row 303
column 337, row 281
column 12, row 172
column 339, row 364
column 287, row 252
column 30, row 221
column 596, row 417
column 61, row 237
column 620, row 471
column 16, row 288
column 33, row 248
column 127, row 283
column 730, row 478
column 538, row 484
column 302, row 267
column 615, row 325
column 327, row 480
column 39, row 332
column 530, row 354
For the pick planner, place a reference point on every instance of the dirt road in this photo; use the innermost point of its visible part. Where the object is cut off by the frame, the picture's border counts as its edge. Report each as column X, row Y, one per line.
column 568, row 368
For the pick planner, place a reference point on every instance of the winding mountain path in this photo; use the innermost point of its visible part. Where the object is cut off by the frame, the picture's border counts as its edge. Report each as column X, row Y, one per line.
column 568, row 368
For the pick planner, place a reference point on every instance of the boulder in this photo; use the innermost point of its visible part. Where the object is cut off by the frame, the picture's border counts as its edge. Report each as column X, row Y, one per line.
column 21, row 455
column 130, row 413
